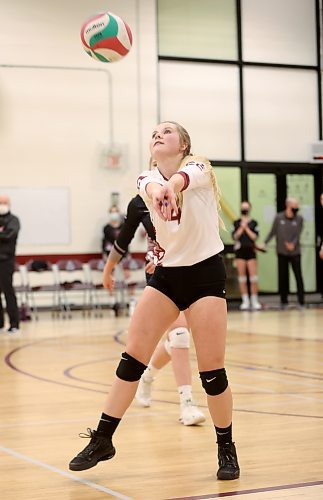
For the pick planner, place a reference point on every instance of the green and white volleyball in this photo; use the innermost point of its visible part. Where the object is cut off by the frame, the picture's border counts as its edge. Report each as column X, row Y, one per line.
column 106, row 37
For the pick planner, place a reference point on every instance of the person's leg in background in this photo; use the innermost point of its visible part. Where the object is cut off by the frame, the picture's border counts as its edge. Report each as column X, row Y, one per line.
column 176, row 349
column 253, row 278
column 283, row 279
column 243, row 285
column 6, row 285
column 296, row 266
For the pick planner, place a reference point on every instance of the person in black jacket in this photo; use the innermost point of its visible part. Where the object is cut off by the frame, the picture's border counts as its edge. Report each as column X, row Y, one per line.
column 176, row 346
column 245, row 233
column 9, row 229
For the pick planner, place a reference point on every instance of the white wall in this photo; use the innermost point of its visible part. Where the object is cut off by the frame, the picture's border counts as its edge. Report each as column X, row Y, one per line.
column 52, row 121
column 288, row 36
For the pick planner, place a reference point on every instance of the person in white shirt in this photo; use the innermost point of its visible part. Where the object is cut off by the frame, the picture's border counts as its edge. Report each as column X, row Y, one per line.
column 182, row 196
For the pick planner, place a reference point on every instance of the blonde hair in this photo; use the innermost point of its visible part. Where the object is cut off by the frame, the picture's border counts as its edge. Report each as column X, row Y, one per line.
column 215, row 185
column 188, row 156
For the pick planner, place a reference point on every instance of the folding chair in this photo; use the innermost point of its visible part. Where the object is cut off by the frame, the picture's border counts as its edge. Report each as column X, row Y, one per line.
column 102, row 298
column 73, row 282
column 41, row 281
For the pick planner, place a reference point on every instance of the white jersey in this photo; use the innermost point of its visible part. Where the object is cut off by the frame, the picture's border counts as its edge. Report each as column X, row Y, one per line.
column 193, row 235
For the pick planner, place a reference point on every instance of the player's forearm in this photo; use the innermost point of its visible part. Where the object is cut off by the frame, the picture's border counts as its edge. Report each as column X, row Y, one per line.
column 113, row 259
column 177, row 182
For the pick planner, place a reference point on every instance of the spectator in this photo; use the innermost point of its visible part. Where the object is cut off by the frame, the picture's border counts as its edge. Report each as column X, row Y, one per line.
column 9, row 229
column 245, row 233
column 287, row 228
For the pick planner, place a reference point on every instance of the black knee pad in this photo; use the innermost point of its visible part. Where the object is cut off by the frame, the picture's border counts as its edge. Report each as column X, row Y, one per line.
column 130, row 369
column 214, row 382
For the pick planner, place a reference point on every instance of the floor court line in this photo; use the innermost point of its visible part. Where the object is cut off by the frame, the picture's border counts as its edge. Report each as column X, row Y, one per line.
column 274, row 378
column 251, row 491
column 9, row 362
column 95, row 486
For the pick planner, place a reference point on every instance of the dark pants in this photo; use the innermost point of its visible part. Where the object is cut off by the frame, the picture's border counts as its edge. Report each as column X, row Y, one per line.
column 320, row 283
column 283, row 277
column 6, row 273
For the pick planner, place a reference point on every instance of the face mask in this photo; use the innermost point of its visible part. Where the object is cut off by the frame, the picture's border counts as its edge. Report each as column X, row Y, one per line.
column 114, row 217
column 4, row 209
column 295, row 210
column 244, row 212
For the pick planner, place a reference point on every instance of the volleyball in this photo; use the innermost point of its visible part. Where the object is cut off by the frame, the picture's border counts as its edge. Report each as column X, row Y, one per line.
column 106, row 37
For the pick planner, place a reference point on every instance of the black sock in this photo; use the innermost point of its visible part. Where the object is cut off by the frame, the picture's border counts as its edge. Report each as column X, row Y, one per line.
column 107, row 425
column 223, row 435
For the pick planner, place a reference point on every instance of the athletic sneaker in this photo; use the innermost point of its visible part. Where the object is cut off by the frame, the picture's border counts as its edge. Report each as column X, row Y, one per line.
column 190, row 414
column 143, row 394
column 228, row 462
column 244, row 306
column 99, row 448
column 13, row 329
column 255, row 304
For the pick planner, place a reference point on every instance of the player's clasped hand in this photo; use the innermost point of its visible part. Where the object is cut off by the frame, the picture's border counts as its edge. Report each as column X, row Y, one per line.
column 164, row 202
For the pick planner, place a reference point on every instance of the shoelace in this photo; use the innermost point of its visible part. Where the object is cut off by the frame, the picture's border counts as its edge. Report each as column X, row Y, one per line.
column 90, row 434
column 92, row 444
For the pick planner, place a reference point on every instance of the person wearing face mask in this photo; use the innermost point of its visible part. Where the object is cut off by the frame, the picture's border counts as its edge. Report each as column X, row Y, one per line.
column 111, row 230
column 245, row 233
column 9, row 229
column 287, row 227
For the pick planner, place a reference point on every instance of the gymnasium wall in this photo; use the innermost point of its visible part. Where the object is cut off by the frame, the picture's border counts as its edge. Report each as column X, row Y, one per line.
column 55, row 123
column 61, row 113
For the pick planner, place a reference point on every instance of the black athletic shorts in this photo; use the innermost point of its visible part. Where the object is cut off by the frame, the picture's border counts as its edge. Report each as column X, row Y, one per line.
column 185, row 285
column 245, row 253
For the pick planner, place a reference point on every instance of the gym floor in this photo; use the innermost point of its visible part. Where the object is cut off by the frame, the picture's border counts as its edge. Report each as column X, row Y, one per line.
column 54, row 376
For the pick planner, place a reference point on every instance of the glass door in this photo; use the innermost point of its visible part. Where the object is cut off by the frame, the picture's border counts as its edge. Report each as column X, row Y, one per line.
column 266, row 194
column 263, row 198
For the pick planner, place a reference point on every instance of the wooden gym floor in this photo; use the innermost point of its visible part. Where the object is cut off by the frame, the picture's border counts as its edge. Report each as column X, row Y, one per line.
column 54, row 376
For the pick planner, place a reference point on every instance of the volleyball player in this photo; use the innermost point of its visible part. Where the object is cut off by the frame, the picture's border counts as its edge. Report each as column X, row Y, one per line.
column 182, row 196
